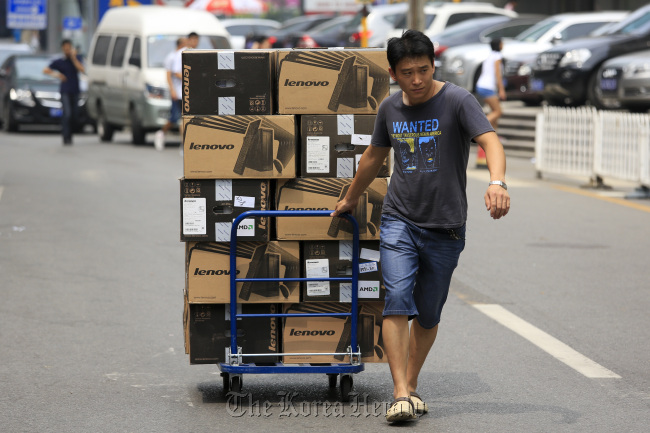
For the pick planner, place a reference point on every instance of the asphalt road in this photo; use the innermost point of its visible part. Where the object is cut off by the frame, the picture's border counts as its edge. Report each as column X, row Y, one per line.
column 546, row 329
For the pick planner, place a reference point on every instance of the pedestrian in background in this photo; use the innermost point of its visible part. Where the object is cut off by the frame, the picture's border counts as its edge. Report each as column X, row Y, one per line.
column 490, row 83
column 67, row 70
column 429, row 124
column 173, row 66
column 510, row 6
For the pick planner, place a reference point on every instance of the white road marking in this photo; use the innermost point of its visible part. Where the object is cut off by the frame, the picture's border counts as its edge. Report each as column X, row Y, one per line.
column 546, row 342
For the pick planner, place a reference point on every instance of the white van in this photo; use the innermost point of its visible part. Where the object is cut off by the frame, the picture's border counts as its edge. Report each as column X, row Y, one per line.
column 127, row 81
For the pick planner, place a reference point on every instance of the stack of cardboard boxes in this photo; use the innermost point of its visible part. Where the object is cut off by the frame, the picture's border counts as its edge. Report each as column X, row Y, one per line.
column 279, row 129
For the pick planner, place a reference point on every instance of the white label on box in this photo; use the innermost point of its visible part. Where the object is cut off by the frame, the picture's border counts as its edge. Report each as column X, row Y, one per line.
column 345, row 292
column 361, row 139
column 345, row 167
column 358, row 158
column 368, row 254
column 243, row 201
column 345, row 250
column 318, row 154
column 345, row 123
column 246, row 227
column 226, row 60
column 222, row 232
column 317, row 268
column 227, row 311
column 223, row 189
column 194, row 216
column 368, row 289
column 226, row 105
column 364, row 268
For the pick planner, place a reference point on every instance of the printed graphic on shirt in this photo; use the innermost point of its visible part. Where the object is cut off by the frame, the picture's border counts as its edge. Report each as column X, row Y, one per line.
column 418, row 144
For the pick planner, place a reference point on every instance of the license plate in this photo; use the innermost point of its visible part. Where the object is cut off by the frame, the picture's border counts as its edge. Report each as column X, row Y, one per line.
column 536, row 85
column 608, row 84
column 56, row 112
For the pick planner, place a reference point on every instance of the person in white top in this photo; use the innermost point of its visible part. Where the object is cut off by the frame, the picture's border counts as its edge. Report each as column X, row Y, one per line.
column 490, row 83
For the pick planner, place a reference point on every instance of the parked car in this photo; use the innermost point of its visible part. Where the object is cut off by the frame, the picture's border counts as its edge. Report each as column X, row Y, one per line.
column 27, row 96
column 332, row 33
column 624, row 81
column 380, row 21
column 243, row 29
column 288, row 35
column 462, row 65
column 7, row 49
column 126, row 72
column 439, row 16
column 568, row 73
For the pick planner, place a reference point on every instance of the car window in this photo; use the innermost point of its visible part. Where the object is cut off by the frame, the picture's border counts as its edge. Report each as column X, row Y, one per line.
column 506, row 32
column 537, row 31
column 639, row 25
column 457, row 18
column 31, row 68
column 136, row 51
column 577, row 30
column 119, row 50
column 101, row 50
column 394, row 18
column 240, row 30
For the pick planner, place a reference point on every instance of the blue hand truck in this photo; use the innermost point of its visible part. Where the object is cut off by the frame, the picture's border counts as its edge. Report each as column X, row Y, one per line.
column 234, row 367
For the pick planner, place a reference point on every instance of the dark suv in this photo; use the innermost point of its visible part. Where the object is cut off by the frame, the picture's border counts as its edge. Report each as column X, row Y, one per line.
column 569, row 72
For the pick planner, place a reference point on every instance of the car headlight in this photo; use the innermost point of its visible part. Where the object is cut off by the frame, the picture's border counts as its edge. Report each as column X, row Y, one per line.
column 24, row 96
column 575, row 58
column 157, row 92
column 524, row 70
column 630, row 71
column 456, row 66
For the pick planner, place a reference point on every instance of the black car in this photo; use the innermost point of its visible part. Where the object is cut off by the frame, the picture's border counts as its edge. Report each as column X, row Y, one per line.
column 568, row 73
column 292, row 30
column 331, row 33
column 30, row 97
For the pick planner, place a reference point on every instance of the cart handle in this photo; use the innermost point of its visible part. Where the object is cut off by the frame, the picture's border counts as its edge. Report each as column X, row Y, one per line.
column 293, row 213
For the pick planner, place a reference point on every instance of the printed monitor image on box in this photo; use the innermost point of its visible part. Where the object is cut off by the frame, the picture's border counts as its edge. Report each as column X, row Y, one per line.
column 332, row 81
column 323, row 194
column 208, row 271
column 209, row 206
column 256, row 147
column 332, row 334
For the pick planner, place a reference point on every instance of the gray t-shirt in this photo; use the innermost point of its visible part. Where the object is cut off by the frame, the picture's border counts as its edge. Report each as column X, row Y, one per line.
column 431, row 142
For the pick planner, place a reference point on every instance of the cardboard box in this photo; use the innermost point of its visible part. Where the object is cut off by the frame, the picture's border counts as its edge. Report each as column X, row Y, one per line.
column 186, row 325
column 225, row 147
column 207, row 271
column 323, row 194
column 332, row 81
column 332, row 334
column 209, row 206
column 209, row 332
column 332, row 145
column 329, row 259
column 227, row 82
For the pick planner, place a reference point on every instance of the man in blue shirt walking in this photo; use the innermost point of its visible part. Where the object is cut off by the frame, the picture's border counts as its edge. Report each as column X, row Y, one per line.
column 67, row 70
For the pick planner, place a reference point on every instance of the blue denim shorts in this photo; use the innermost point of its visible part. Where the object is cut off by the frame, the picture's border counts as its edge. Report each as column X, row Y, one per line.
column 417, row 264
column 485, row 93
column 175, row 111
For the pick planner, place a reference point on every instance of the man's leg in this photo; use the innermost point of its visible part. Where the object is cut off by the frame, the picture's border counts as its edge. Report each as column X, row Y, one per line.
column 395, row 333
column 66, row 118
column 420, row 342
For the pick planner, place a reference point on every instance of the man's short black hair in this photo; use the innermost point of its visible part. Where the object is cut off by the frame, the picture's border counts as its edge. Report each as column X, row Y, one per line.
column 413, row 43
column 495, row 44
column 66, row 41
column 193, row 35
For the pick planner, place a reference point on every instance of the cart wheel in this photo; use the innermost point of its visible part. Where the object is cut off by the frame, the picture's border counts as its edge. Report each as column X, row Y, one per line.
column 332, row 379
column 226, row 382
column 346, row 387
column 235, row 383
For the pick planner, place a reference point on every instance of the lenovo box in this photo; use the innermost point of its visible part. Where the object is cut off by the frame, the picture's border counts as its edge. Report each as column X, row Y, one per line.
column 332, row 334
column 332, row 145
column 332, row 81
column 225, row 147
column 209, row 206
column 209, row 332
column 207, row 272
column 329, row 259
column 227, row 82
column 323, row 194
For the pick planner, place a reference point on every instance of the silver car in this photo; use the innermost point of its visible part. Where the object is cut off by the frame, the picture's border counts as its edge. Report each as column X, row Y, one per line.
column 625, row 81
column 462, row 65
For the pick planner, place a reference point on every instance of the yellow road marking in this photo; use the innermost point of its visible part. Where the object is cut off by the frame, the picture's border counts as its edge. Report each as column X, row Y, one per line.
column 619, row 201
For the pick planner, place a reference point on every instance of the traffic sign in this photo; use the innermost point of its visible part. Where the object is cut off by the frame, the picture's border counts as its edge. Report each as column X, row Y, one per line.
column 72, row 23
column 27, row 14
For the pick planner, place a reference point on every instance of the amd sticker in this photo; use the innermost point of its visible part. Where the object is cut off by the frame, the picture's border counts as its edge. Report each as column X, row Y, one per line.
column 369, row 289
column 246, row 227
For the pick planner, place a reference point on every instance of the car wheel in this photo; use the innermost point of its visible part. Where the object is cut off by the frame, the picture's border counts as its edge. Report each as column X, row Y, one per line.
column 594, row 94
column 9, row 124
column 137, row 131
column 104, row 129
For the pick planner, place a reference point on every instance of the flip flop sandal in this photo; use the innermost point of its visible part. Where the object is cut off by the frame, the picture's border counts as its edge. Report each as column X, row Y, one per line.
column 401, row 409
column 420, row 406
